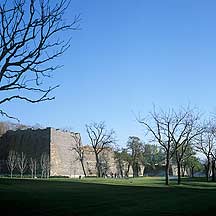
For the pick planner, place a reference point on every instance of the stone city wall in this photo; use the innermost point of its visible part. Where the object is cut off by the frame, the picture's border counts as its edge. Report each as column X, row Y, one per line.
column 59, row 146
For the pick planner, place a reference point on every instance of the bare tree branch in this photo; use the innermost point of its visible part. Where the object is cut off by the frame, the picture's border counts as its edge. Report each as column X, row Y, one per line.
column 31, row 37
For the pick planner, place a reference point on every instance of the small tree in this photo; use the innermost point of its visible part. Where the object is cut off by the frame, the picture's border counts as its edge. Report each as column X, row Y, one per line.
column 127, row 160
column 11, row 162
column 45, row 165
column 118, row 155
column 22, row 163
column 78, row 148
column 193, row 164
column 135, row 148
column 33, row 167
column 153, row 156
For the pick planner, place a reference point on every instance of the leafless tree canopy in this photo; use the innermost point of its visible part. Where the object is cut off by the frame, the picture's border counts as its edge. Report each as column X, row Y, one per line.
column 173, row 131
column 30, row 38
column 100, row 138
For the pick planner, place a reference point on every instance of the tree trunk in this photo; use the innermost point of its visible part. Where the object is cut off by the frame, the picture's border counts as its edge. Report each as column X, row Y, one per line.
column 35, row 170
column 11, row 174
column 213, row 170
column 135, row 170
column 167, row 170
column 143, row 170
column 127, row 171
column 207, row 170
column 192, row 171
column 120, row 168
column 179, row 172
column 84, row 172
column 97, row 165
column 183, row 169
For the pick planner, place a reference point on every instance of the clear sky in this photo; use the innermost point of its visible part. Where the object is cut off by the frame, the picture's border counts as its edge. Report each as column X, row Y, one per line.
column 128, row 55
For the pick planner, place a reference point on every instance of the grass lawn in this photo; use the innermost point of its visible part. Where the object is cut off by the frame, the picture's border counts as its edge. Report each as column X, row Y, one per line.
column 92, row 196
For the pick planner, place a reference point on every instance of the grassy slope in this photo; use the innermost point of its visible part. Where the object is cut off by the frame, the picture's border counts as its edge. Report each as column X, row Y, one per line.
column 142, row 196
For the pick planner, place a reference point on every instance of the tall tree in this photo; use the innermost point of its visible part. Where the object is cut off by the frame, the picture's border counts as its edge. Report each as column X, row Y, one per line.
column 186, row 131
column 171, row 130
column 31, row 36
column 100, row 139
column 205, row 144
column 161, row 127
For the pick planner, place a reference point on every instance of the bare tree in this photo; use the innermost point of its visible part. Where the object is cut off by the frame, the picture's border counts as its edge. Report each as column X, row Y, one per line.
column 21, row 163
column 206, row 144
column 78, row 148
column 100, row 139
column 31, row 35
column 161, row 127
column 173, row 131
column 33, row 167
column 187, row 129
column 45, row 165
column 11, row 162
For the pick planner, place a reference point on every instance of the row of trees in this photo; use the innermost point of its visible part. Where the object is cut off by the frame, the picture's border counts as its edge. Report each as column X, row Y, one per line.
column 149, row 156
column 181, row 134
column 20, row 162
column 177, row 137
column 177, row 133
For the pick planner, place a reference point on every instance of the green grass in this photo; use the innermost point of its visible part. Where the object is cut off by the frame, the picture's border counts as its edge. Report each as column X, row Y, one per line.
column 92, row 196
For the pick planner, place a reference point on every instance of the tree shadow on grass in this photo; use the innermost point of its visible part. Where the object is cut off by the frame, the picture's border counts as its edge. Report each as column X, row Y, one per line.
column 65, row 198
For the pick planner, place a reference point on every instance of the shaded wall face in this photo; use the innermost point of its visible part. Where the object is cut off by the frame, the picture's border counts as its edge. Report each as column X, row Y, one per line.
column 33, row 143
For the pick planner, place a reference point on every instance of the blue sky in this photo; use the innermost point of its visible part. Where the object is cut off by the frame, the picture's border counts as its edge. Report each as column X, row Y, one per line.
column 127, row 56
